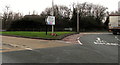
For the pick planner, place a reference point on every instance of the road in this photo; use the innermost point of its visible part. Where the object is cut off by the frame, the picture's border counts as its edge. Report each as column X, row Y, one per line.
column 95, row 48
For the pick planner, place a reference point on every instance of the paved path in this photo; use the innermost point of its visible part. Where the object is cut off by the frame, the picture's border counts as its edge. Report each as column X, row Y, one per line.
column 15, row 44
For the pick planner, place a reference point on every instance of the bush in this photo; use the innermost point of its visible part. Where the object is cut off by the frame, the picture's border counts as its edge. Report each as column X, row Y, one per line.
column 28, row 23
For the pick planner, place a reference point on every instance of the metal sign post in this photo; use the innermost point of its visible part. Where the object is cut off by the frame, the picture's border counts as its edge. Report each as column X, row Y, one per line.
column 46, row 20
column 51, row 19
column 52, row 15
column 52, row 29
column 46, row 25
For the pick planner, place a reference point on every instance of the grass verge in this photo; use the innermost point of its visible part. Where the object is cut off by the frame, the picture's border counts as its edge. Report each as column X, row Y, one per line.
column 41, row 35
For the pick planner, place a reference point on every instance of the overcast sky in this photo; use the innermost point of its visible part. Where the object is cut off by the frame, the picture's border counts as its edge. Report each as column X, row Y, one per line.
column 26, row 6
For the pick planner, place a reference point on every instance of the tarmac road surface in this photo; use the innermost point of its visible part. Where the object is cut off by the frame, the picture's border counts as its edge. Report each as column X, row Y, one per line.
column 96, row 48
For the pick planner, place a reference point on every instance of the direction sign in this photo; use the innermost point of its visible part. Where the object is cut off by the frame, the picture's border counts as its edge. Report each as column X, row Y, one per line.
column 51, row 20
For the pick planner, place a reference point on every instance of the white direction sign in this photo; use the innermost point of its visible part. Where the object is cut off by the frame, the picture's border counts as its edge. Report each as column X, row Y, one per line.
column 51, row 20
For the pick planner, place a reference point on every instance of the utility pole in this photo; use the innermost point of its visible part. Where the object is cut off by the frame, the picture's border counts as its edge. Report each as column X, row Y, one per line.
column 52, row 15
column 77, row 18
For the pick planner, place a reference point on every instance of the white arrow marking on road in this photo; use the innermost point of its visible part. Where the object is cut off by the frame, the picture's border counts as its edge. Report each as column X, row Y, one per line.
column 78, row 39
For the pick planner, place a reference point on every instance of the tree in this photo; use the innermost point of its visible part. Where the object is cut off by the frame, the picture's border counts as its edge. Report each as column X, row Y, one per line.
column 114, row 13
column 0, row 21
column 59, row 11
column 99, row 13
column 106, row 23
column 91, row 15
column 5, row 17
column 61, row 14
column 17, row 16
column 8, row 17
column 74, row 19
column 28, row 23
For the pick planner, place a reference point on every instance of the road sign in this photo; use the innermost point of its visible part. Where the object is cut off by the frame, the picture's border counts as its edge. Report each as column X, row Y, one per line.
column 51, row 20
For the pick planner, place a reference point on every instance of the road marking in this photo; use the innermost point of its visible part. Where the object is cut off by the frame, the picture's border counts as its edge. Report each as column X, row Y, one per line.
column 96, row 33
column 117, row 38
column 78, row 39
column 63, row 42
column 67, row 42
column 23, row 46
column 100, row 41
column 28, row 48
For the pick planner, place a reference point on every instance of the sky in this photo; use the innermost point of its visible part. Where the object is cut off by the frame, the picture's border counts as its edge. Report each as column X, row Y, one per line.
column 26, row 6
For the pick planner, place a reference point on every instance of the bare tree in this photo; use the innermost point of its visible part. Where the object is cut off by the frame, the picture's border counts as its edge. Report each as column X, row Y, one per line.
column 5, row 17
column 8, row 17
column 99, row 12
column 59, row 11
column 114, row 13
column 90, row 15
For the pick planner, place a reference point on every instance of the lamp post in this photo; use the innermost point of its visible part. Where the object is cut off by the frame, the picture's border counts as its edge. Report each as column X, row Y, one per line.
column 52, row 15
column 77, row 19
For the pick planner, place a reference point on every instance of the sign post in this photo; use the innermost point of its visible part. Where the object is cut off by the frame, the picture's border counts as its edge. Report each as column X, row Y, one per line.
column 46, row 29
column 52, row 15
column 51, row 21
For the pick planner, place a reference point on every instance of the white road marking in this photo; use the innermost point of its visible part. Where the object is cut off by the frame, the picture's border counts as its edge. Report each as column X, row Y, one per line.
column 96, row 33
column 117, row 38
column 67, row 42
column 23, row 46
column 14, row 45
column 100, row 41
column 63, row 42
column 28, row 48
column 78, row 39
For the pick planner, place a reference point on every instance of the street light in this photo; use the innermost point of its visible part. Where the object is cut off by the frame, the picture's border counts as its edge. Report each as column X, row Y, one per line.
column 52, row 15
column 78, row 19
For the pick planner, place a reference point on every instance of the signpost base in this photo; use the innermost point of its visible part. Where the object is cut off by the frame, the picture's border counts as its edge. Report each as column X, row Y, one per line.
column 52, row 29
column 46, row 29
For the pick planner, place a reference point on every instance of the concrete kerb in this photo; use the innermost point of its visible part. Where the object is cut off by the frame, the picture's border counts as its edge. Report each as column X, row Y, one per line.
column 57, row 38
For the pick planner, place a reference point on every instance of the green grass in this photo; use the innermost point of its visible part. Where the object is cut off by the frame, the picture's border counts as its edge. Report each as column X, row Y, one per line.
column 34, row 34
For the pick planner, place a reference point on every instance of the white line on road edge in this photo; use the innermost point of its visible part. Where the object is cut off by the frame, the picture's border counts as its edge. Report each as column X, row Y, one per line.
column 78, row 39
